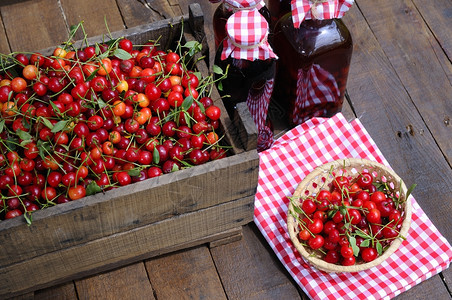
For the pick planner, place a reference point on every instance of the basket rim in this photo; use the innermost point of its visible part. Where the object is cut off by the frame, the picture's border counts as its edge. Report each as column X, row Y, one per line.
column 335, row 165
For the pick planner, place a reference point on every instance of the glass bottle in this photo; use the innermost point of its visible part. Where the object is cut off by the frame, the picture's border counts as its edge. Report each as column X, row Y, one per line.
column 227, row 8
column 251, row 66
column 313, row 67
column 277, row 9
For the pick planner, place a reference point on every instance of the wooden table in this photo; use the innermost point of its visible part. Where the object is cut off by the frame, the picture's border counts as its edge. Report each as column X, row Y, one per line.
column 400, row 86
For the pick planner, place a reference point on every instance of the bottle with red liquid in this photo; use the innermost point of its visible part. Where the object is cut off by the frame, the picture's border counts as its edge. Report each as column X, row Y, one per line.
column 251, row 65
column 315, row 49
column 227, row 8
column 277, row 9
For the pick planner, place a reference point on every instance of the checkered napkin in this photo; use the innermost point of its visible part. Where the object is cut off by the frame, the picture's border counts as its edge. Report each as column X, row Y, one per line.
column 247, row 32
column 318, row 9
column 320, row 140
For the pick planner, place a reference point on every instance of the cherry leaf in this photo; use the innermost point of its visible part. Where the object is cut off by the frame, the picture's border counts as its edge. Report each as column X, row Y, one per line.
column 355, row 248
column 134, row 172
column 379, row 248
column 23, row 135
column 156, row 156
column 59, row 126
column 187, row 103
column 122, row 54
column 92, row 188
column 47, row 123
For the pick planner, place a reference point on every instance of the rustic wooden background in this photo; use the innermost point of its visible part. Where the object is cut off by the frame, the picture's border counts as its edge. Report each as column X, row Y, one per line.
column 400, row 86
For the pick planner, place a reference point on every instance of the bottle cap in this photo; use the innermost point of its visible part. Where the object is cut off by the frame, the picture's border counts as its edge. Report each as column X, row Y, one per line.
column 247, row 32
column 318, row 9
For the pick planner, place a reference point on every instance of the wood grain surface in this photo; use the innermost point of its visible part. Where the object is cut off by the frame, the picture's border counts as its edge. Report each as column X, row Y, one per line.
column 400, row 87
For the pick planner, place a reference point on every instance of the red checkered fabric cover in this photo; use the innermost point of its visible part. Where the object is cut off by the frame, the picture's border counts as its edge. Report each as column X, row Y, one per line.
column 316, row 88
column 257, row 102
column 247, row 37
column 425, row 252
column 244, row 4
column 318, row 9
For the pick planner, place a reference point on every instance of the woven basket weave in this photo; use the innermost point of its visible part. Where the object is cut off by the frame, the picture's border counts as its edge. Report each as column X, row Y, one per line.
column 319, row 179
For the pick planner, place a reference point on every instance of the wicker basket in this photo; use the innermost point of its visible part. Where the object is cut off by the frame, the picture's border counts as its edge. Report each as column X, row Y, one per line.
column 323, row 176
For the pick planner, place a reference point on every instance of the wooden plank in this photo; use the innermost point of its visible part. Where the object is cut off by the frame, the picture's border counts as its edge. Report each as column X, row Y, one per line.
column 250, row 270
column 432, row 288
column 136, row 12
column 64, row 291
column 105, row 18
column 414, row 54
column 381, row 102
column 383, row 105
column 208, row 10
column 189, row 274
column 4, row 45
column 242, row 119
column 437, row 17
column 123, row 248
column 130, row 282
column 28, row 296
column 130, row 207
column 235, row 235
column 30, row 27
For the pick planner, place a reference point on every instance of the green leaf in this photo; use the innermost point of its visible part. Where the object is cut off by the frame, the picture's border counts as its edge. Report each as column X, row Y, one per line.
column 97, row 49
column 23, row 135
column 156, row 156
column 122, row 54
column 43, row 148
column 101, row 103
column 175, row 168
column 187, row 118
column 187, row 102
column 362, row 234
column 297, row 209
column 190, row 44
column 47, row 123
column 379, row 248
column 73, row 29
column 199, row 75
column 134, row 172
column 217, row 70
column 220, row 86
column 59, row 126
column 55, row 108
column 410, row 190
column 92, row 188
column 92, row 75
column 365, row 243
column 355, row 248
column 201, row 107
column 2, row 125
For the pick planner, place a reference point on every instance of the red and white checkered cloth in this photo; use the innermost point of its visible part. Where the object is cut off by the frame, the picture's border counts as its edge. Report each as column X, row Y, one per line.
column 247, row 37
column 316, row 88
column 309, row 9
column 282, row 167
column 258, row 101
column 236, row 5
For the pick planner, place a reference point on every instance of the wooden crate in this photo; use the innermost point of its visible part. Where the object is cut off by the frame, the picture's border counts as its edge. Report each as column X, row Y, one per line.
column 189, row 207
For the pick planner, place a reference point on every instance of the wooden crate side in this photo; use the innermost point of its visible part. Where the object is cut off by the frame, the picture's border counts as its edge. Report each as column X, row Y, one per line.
column 119, row 249
column 129, row 207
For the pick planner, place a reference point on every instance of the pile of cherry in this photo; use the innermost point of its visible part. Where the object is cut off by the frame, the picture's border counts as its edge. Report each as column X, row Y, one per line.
column 82, row 121
column 353, row 221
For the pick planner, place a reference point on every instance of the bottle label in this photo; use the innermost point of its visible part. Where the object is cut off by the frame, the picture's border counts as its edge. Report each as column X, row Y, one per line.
column 258, row 101
column 317, row 89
